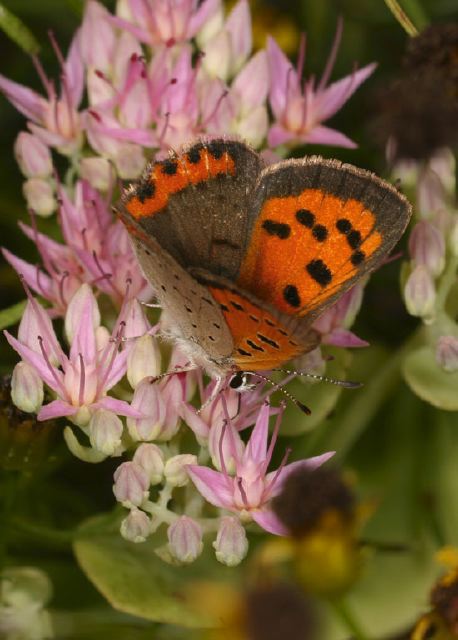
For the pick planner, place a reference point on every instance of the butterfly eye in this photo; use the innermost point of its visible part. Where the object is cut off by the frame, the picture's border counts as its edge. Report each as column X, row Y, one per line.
column 240, row 382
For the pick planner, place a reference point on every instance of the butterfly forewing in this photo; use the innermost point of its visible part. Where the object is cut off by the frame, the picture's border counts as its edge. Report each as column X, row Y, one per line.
column 320, row 225
column 196, row 204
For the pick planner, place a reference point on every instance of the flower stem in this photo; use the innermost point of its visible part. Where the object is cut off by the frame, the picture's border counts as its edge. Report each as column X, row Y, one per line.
column 402, row 17
column 347, row 618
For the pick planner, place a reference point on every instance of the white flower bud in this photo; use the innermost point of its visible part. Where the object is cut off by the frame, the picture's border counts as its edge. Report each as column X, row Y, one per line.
column 33, row 156
column 131, row 484
column 427, row 247
column 175, row 469
column 26, row 388
column 136, row 527
column 185, row 539
column 40, row 196
column 231, row 544
column 83, row 297
column 99, row 172
column 151, row 459
column 419, row 293
column 218, row 54
column 105, row 431
column 447, row 353
column 129, row 161
column 148, row 400
column 143, row 360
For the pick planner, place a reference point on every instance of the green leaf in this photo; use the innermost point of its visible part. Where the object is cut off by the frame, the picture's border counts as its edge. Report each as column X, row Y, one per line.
column 428, row 381
column 17, row 31
column 134, row 580
column 12, row 314
column 321, row 397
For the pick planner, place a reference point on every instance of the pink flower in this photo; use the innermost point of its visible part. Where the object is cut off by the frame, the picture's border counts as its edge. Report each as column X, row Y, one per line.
column 168, row 22
column 334, row 323
column 81, row 379
column 55, row 120
column 248, row 492
column 300, row 110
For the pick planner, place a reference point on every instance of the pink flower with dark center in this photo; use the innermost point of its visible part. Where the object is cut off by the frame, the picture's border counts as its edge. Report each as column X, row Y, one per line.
column 166, row 22
column 94, row 365
column 301, row 108
column 54, row 120
column 249, row 491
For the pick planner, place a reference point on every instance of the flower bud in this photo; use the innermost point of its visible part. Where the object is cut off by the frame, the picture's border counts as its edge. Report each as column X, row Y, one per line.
column 447, row 353
column 427, row 247
column 131, row 484
column 129, row 161
column 76, row 310
column 39, row 196
column 26, row 388
column 136, row 527
column 99, row 172
column 98, row 37
column 175, row 469
column 231, row 544
column 144, row 360
column 151, row 459
column 185, row 539
column 105, row 431
column 33, row 156
column 419, row 293
column 148, row 400
column 218, row 54
column 224, row 442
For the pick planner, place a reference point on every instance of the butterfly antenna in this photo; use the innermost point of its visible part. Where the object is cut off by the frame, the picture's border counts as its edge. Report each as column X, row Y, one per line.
column 174, row 372
column 278, row 387
column 348, row 384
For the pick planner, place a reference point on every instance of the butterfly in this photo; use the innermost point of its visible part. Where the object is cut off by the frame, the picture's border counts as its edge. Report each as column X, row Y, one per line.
column 244, row 257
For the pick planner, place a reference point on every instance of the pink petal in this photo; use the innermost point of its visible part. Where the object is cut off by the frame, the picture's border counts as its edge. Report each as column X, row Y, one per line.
column 118, row 369
column 256, row 449
column 35, row 278
column 82, row 314
column 310, row 465
column 267, row 519
column 239, row 26
column 282, row 76
column 206, row 10
column 52, row 250
column 36, row 361
column 279, row 135
column 194, row 421
column 141, row 34
column 48, row 137
column 74, row 69
column 344, row 338
column 335, row 96
column 120, row 407
column 212, row 485
column 326, row 135
column 252, row 83
column 56, row 409
column 28, row 102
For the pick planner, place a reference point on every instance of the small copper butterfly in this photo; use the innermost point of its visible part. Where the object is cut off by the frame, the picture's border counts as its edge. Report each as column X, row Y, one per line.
column 244, row 257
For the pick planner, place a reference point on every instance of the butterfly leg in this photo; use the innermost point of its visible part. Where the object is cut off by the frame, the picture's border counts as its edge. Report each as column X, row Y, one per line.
column 219, row 386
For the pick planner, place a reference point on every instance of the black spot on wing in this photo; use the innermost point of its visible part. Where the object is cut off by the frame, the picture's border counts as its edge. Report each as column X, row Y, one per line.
column 268, row 341
column 357, row 258
column 319, row 271
column 319, row 232
column 291, row 295
column 305, row 217
column 279, row 229
column 169, row 167
column 145, row 190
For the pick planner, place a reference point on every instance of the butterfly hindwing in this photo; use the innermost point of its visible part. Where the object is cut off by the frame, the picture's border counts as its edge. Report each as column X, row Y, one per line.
column 320, row 225
column 197, row 204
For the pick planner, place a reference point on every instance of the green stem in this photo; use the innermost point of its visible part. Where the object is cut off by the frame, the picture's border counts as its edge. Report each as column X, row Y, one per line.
column 446, row 282
column 404, row 20
column 347, row 618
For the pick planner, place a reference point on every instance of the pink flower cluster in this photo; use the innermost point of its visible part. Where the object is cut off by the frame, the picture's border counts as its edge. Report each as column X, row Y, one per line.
column 153, row 76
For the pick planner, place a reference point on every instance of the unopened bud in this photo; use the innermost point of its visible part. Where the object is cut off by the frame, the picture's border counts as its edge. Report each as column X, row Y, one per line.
column 129, row 161
column 33, row 156
column 82, row 299
column 175, row 469
column 40, row 196
column 143, row 360
column 99, row 172
column 447, row 353
column 151, row 459
column 427, row 247
column 231, row 544
column 105, row 431
column 148, row 400
column 419, row 293
column 136, row 527
column 131, row 484
column 185, row 539
column 26, row 388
